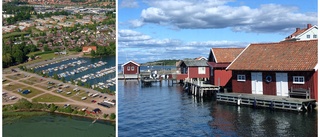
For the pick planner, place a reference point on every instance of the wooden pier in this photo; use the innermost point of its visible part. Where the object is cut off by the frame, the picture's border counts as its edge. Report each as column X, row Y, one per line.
column 198, row 88
column 268, row 101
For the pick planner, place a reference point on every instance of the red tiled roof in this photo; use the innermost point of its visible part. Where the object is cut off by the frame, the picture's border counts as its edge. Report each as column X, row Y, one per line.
column 226, row 55
column 218, row 65
column 86, row 48
column 282, row 56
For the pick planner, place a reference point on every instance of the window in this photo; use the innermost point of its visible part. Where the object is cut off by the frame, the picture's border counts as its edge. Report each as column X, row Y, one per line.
column 202, row 70
column 298, row 79
column 128, row 68
column 308, row 36
column 211, row 71
column 241, row 77
column 132, row 68
column 314, row 36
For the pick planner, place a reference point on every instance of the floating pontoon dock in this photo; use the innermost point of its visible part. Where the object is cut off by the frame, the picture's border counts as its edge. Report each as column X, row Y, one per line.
column 269, row 101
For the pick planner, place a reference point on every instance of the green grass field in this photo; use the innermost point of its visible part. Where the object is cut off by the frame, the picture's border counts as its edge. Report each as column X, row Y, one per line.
column 33, row 92
column 12, row 86
column 14, row 34
column 48, row 98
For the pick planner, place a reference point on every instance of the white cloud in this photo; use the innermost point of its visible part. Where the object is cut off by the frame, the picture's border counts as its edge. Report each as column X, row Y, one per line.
column 207, row 14
column 129, row 4
column 137, row 46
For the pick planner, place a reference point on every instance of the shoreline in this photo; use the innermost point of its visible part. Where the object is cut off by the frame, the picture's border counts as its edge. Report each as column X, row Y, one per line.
column 64, row 114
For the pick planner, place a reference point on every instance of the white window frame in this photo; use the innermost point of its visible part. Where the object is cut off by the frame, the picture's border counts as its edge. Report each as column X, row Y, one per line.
column 308, row 36
column 132, row 68
column 201, row 70
column 128, row 68
column 314, row 36
column 298, row 80
column 241, row 77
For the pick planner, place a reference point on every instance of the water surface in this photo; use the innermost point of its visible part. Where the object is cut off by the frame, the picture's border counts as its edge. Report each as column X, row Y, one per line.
column 53, row 125
column 168, row 111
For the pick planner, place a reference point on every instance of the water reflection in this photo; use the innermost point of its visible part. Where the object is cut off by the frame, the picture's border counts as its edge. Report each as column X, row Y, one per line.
column 169, row 111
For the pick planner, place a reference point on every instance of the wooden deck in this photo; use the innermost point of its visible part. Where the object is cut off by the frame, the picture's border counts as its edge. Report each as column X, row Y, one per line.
column 198, row 88
column 268, row 101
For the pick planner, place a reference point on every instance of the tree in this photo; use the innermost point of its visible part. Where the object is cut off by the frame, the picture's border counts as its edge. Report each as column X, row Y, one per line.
column 63, row 80
column 52, row 108
column 112, row 116
column 93, row 53
column 18, row 56
column 55, row 76
column 46, row 48
column 6, row 59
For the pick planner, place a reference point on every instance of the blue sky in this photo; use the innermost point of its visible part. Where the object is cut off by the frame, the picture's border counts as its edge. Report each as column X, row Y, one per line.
column 151, row 30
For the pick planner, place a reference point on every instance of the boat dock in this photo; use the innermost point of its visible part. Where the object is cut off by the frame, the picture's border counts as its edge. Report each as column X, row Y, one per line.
column 198, row 88
column 267, row 101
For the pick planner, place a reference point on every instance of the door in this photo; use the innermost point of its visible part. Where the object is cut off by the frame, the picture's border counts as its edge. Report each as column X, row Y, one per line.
column 282, row 84
column 256, row 82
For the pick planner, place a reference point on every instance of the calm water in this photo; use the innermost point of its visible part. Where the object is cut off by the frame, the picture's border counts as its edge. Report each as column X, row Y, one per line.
column 110, row 63
column 53, row 125
column 168, row 111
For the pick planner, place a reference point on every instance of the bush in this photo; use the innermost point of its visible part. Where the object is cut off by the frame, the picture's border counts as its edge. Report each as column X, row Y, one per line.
column 112, row 116
column 105, row 115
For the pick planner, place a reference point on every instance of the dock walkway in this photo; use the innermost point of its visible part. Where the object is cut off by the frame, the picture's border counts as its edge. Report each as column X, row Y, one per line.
column 269, row 101
column 198, row 88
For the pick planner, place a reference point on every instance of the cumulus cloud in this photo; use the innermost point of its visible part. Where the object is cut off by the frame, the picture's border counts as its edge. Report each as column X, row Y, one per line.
column 208, row 14
column 129, row 4
column 140, row 47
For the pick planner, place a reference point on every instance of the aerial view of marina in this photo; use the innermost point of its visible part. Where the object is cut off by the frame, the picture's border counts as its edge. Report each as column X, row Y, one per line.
column 217, row 68
column 59, row 68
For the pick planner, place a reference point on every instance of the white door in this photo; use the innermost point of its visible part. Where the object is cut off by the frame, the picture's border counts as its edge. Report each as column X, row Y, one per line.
column 256, row 82
column 282, row 84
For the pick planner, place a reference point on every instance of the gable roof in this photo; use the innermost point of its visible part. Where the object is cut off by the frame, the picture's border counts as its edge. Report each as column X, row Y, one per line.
column 282, row 56
column 225, row 55
column 201, row 58
column 130, row 62
column 87, row 48
column 196, row 63
column 299, row 32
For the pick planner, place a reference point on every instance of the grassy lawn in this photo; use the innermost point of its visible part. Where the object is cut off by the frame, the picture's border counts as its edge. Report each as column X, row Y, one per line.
column 48, row 98
column 44, row 86
column 7, row 81
column 14, row 34
column 16, row 76
column 80, row 95
column 13, row 86
column 33, row 92
column 33, row 80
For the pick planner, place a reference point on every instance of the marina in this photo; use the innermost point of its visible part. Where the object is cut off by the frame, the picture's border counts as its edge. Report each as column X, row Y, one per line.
column 97, row 72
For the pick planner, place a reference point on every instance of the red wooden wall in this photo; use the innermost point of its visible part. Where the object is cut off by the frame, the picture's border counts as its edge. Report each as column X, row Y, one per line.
column 126, row 71
column 193, row 73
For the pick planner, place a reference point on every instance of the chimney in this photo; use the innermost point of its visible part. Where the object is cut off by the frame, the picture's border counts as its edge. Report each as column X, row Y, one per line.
column 309, row 26
column 297, row 29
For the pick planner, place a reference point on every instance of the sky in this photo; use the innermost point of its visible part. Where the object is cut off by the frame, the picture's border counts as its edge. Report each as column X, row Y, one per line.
column 150, row 30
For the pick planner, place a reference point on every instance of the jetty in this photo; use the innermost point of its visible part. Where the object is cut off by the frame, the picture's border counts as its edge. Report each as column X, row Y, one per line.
column 200, row 88
column 267, row 101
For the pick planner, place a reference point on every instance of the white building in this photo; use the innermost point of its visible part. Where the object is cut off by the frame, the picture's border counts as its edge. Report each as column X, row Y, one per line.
column 309, row 33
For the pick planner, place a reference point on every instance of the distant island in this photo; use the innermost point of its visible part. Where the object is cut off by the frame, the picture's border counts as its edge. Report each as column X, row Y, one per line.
column 169, row 62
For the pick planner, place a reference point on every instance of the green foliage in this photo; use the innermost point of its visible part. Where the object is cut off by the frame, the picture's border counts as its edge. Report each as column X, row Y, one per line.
column 112, row 116
column 105, row 115
column 20, row 12
column 52, row 108
column 23, row 104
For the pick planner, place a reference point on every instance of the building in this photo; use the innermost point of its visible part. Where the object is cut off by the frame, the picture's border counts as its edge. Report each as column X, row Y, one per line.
column 219, row 59
column 309, row 33
column 130, row 67
column 193, row 70
column 88, row 49
column 275, row 68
